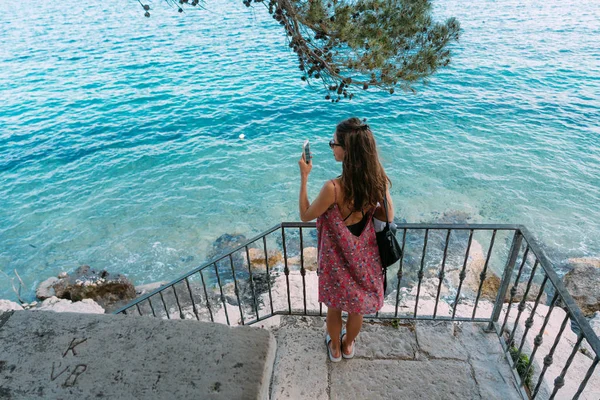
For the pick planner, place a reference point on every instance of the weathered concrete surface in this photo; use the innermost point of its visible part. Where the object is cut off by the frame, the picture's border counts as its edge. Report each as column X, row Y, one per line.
column 412, row 360
column 300, row 370
column 80, row 356
column 378, row 342
column 432, row 334
column 486, row 358
column 398, row 379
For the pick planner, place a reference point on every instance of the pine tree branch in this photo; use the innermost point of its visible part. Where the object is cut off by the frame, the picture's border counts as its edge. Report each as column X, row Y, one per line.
column 346, row 44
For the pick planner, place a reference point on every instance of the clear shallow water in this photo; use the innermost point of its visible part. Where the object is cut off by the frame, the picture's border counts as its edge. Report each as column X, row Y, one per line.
column 119, row 134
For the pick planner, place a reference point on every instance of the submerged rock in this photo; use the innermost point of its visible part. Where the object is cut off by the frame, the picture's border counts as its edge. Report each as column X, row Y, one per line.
column 224, row 243
column 452, row 217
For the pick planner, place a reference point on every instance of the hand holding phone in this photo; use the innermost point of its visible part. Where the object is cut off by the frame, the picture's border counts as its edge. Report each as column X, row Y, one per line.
column 306, row 149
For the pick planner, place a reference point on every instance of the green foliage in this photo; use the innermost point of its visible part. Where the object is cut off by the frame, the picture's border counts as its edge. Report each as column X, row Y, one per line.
column 396, row 323
column 346, row 44
column 521, row 364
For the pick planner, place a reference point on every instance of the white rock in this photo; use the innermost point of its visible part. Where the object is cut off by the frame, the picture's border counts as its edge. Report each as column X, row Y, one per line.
column 7, row 305
column 62, row 275
column 143, row 289
column 474, row 267
column 279, row 292
column 465, row 308
column 27, row 306
column 429, row 288
column 86, row 306
column 45, row 289
column 425, row 308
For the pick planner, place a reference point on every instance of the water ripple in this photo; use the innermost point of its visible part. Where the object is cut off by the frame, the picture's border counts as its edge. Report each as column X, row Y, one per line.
column 119, row 134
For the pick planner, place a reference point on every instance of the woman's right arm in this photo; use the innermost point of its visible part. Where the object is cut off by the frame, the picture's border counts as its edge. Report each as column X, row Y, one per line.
column 380, row 212
column 324, row 200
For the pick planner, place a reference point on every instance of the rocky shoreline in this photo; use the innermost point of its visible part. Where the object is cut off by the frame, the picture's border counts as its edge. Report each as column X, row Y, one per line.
column 111, row 291
column 86, row 290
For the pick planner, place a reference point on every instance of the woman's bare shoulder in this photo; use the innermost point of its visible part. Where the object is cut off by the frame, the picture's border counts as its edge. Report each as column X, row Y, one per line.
column 329, row 190
column 333, row 184
column 334, row 189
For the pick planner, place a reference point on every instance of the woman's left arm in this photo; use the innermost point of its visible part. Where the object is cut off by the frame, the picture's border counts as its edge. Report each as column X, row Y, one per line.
column 324, row 200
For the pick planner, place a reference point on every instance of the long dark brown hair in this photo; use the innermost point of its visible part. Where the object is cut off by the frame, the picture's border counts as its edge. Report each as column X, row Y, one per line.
column 363, row 179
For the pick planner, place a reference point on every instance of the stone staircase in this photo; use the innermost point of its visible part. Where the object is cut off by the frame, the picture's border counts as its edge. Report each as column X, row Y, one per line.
column 414, row 360
column 83, row 356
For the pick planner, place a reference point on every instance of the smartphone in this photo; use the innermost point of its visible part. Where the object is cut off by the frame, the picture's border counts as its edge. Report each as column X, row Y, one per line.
column 306, row 149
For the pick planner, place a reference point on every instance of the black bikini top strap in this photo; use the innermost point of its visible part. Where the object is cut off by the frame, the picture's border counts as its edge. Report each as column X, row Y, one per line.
column 351, row 212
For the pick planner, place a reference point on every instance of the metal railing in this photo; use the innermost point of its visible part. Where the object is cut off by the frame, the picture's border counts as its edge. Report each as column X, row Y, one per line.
column 447, row 272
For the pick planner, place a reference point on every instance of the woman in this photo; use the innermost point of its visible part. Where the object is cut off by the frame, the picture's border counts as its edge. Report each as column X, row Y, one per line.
column 350, row 273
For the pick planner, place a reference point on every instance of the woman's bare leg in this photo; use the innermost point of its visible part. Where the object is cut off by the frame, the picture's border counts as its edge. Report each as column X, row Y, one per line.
column 334, row 328
column 353, row 327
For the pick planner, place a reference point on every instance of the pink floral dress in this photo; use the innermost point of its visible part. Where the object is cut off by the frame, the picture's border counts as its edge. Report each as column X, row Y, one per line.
column 350, row 274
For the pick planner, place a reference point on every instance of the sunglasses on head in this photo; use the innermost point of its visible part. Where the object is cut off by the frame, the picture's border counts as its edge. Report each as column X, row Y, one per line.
column 332, row 144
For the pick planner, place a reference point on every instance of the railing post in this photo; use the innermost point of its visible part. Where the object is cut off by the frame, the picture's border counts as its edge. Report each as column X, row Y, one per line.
column 506, row 275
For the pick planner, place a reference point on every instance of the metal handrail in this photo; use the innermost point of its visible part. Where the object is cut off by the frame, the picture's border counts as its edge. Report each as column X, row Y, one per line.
column 566, row 297
column 521, row 236
column 207, row 264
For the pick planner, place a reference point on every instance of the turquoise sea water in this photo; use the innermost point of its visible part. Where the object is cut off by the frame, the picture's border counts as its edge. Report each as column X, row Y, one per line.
column 119, row 134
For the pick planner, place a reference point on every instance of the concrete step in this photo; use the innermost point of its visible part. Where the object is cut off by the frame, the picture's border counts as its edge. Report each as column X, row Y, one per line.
column 411, row 360
column 83, row 356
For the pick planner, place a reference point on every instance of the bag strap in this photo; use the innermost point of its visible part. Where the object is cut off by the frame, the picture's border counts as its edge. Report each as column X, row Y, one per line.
column 387, row 220
column 387, row 225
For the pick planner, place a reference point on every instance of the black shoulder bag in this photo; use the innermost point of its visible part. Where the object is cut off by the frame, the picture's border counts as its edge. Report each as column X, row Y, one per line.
column 389, row 249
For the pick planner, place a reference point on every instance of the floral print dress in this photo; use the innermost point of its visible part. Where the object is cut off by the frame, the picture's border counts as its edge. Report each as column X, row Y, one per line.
column 350, row 273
